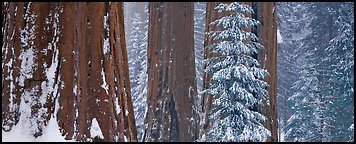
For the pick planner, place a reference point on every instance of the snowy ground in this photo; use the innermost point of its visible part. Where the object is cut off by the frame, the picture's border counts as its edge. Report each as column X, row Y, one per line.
column 19, row 134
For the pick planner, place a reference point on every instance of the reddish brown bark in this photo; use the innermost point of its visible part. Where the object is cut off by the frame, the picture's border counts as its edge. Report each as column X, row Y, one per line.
column 83, row 93
column 267, row 33
column 9, row 43
column 14, row 88
column 171, row 73
column 93, row 100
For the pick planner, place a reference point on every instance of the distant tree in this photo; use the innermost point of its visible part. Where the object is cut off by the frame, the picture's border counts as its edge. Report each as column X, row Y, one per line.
column 323, row 98
column 339, row 61
column 291, row 23
column 304, row 124
column 137, row 54
column 199, row 35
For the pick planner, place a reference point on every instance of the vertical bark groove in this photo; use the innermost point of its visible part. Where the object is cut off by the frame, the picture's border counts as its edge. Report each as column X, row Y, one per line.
column 267, row 33
column 171, row 73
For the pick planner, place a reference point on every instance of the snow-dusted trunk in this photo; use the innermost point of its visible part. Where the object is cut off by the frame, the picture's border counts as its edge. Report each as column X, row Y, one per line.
column 266, row 13
column 29, row 53
column 211, row 15
column 171, row 73
column 68, row 64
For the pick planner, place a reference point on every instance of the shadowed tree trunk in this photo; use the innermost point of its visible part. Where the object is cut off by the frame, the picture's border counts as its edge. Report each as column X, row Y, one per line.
column 171, row 73
column 266, row 14
column 68, row 63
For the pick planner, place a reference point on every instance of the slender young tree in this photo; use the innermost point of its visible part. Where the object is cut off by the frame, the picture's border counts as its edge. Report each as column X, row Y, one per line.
column 236, row 85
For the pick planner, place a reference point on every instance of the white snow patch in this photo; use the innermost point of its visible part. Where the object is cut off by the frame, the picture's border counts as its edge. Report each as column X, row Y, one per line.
column 229, row 133
column 105, row 86
column 28, row 53
column 106, row 46
column 30, row 122
column 351, row 127
column 22, row 131
column 12, row 87
column 95, row 129
column 15, row 11
column 125, row 139
column 106, row 43
column 9, row 69
column 52, row 133
column 117, row 106
column 279, row 37
column 28, row 65
column 75, row 90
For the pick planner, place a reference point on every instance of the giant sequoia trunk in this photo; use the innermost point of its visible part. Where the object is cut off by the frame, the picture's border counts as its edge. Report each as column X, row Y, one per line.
column 67, row 62
column 171, row 73
column 266, row 14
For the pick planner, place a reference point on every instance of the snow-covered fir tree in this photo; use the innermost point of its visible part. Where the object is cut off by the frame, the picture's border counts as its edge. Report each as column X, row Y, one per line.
column 236, row 84
column 310, row 119
column 304, row 124
column 134, row 43
column 137, row 55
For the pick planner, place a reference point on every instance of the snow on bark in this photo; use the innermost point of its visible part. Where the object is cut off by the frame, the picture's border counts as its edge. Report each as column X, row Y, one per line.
column 106, row 44
column 56, row 61
column 104, row 91
column 28, row 52
column 10, row 96
column 95, row 130
column 105, row 86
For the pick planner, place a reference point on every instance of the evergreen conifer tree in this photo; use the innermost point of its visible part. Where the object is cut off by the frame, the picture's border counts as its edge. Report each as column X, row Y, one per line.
column 236, row 84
